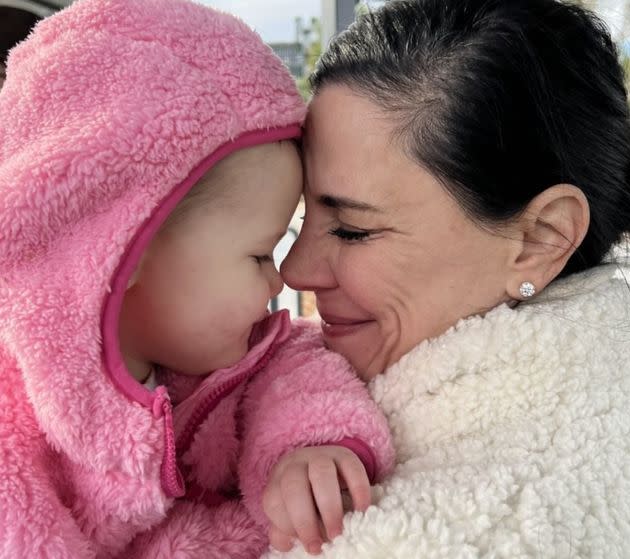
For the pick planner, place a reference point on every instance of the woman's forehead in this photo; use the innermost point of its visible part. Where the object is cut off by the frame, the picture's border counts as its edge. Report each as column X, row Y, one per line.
column 338, row 112
column 350, row 152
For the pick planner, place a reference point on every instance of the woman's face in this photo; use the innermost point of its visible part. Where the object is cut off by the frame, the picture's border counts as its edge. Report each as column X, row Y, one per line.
column 390, row 255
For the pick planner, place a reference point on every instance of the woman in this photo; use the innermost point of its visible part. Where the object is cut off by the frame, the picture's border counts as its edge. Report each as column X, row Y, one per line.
column 467, row 168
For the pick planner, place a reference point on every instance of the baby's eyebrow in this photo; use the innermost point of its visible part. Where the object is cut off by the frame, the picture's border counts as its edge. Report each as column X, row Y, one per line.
column 343, row 203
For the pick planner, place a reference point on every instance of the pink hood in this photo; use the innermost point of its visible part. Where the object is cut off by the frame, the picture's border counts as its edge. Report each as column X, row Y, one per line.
column 111, row 111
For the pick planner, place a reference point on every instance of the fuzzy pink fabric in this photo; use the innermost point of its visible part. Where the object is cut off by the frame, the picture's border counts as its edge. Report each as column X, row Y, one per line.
column 111, row 110
column 304, row 396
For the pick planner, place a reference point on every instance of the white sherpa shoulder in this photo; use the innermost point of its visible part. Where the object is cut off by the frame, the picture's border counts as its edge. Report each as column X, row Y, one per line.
column 512, row 433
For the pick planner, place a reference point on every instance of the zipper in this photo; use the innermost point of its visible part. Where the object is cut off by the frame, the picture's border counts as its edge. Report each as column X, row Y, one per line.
column 170, row 476
column 213, row 399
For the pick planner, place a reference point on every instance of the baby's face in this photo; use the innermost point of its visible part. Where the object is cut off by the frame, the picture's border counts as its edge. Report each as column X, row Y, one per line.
column 207, row 278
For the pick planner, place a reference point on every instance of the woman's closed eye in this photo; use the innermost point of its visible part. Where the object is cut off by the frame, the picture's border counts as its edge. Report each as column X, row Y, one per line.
column 351, row 235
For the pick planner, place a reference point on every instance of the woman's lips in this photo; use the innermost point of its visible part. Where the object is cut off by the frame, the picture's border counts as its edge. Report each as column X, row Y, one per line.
column 335, row 326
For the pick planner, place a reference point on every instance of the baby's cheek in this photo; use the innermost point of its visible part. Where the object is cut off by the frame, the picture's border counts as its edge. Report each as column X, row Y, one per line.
column 258, row 302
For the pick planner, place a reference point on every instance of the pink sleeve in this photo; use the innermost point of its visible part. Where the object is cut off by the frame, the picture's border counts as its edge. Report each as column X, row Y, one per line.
column 364, row 453
column 307, row 396
column 194, row 530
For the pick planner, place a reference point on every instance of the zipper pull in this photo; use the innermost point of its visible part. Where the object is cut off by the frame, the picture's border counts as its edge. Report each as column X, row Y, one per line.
column 170, row 476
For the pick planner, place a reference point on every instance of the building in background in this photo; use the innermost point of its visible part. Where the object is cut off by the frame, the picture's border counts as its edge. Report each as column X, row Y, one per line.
column 292, row 54
column 336, row 16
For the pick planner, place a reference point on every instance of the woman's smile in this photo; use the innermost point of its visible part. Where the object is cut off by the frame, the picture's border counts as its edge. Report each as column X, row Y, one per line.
column 337, row 326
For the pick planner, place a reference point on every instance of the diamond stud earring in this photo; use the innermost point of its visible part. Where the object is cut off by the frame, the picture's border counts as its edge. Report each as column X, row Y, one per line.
column 527, row 289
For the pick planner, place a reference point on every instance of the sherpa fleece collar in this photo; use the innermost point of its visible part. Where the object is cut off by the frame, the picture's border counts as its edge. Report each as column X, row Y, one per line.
column 512, row 366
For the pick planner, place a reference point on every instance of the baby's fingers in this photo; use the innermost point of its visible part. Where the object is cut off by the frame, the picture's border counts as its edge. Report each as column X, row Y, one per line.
column 356, row 480
column 327, row 493
column 275, row 509
column 279, row 540
column 298, row 499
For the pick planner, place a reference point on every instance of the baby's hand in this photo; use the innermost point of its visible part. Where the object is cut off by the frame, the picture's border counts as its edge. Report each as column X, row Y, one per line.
column 303, row 498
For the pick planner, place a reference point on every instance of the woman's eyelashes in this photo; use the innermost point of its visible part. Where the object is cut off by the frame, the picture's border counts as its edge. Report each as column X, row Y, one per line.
column 351, row 235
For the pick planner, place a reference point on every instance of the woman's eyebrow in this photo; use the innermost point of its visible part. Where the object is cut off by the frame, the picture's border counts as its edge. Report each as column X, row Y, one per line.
column 342, row 203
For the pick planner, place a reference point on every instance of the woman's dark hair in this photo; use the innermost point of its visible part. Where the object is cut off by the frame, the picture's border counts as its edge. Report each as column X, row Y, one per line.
column 500, row 99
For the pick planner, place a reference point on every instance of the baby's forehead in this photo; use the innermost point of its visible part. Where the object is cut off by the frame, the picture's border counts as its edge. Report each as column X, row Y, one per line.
column 226, row 180
column 244, row 183
column 218, row 189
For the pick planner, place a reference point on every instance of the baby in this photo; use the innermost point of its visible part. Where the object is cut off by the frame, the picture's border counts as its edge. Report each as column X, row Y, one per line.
column 150, row 406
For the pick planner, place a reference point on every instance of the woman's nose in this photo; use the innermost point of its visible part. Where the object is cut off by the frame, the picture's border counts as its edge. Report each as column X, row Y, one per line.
column 305, row 267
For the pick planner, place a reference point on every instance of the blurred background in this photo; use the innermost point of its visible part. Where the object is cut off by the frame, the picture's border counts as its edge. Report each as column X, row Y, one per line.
column 297, row 30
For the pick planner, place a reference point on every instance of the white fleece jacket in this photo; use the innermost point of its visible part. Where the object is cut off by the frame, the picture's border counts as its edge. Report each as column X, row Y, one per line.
column 512, row 433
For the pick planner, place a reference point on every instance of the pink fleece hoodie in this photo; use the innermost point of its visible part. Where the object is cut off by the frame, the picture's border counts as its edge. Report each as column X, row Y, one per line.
column 111, row 111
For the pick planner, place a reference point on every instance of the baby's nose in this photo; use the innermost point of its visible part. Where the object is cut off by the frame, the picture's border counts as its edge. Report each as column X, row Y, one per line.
column 276, row 284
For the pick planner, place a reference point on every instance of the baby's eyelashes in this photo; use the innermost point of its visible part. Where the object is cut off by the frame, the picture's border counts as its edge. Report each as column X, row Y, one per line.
column 264, row 258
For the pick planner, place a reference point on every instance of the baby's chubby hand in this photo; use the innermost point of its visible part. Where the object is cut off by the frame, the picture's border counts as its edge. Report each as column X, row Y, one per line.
column 303, row 498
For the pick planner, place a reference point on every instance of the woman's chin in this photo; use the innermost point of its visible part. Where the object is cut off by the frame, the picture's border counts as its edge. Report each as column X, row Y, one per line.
column 359, row 343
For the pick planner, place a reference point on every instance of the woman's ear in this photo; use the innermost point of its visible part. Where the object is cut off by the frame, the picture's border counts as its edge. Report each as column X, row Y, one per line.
column 550, row 230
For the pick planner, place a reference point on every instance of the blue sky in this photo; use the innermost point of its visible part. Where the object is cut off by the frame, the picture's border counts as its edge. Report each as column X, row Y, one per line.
column 273, row 19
